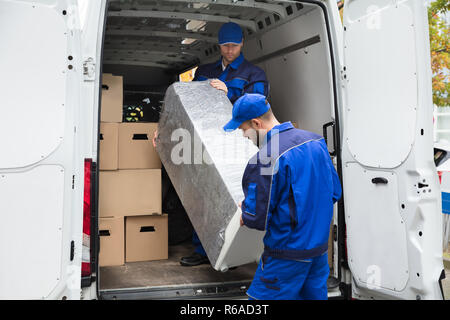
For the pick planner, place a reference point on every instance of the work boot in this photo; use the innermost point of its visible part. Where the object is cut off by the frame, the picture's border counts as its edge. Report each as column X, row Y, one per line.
column 194, row 260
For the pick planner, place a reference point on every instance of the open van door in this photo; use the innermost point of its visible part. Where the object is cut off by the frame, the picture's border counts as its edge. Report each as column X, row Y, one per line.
column 41, row 168
column 392, row 197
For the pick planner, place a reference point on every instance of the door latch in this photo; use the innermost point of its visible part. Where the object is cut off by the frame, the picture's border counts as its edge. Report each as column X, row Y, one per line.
column 89, row 69
column 422, row 185
column 379, row 180
column 325, row 135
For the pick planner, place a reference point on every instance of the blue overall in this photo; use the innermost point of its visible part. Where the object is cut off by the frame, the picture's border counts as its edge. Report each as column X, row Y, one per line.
column 240, row 77
column 290, row 187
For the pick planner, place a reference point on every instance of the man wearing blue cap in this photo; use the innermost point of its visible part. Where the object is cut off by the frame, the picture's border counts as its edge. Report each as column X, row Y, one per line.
column 235, row 76
column 290, row 187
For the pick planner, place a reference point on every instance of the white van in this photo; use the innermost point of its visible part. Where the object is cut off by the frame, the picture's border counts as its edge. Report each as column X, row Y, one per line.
column 366, row 82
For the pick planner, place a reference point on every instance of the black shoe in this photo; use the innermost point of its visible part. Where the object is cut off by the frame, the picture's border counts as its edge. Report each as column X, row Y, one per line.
column 332, row 282
column 194, row 260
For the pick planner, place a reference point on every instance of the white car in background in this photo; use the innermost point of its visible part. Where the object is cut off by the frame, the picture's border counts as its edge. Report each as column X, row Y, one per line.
column 441, row 158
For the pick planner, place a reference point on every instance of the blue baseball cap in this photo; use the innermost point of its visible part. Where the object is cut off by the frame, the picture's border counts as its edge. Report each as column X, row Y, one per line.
column 247, row 107
column 230, row 32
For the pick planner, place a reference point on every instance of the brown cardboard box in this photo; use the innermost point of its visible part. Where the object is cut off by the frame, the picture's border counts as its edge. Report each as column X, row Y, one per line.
column 130, row 193
column 136, row 149
column 109, row 146
column 112, row 98
column 146, row 238
column 112, row 241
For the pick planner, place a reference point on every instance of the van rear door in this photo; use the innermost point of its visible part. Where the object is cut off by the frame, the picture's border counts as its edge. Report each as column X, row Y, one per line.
column 41, row 168
column 392, row 198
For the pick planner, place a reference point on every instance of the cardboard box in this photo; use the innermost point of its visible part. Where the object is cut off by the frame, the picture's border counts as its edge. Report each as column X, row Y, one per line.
column 146, row 238
column 109, row 146
column 136, row 149
column 130, row 192
column 112, row 241
column 112, row 98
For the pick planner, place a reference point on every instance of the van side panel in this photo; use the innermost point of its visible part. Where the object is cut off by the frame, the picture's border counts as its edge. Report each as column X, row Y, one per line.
column 29, row 72
column 31, row 231
column 41, row 168
column 394, row 229
column 306, row 93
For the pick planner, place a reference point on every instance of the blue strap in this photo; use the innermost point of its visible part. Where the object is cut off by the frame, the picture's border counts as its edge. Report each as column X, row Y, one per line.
column 224, row 74
column 259, row 86
column 296, row 254
column 292, row 208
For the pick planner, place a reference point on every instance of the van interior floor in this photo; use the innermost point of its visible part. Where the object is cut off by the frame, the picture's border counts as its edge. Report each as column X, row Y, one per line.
column 169, row 272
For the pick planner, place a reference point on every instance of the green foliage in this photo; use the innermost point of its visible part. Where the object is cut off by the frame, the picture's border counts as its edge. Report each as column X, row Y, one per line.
column 439, row 7
column 440, row 49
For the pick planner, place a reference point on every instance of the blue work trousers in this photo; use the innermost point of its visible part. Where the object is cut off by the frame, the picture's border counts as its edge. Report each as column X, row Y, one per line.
column 280, row 279
column 198, row 245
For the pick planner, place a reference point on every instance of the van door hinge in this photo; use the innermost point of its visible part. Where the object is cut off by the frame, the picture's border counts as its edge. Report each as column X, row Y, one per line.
column 89, row 69
column 72, row 250
column 344, row 74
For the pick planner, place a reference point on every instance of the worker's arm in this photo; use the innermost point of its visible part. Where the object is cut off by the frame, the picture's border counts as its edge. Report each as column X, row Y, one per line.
column 155, row 138
column 260, row 191
column 337, row 189
column 257, row 83
column 215, row 83
column 241, row 221
column 219, row 85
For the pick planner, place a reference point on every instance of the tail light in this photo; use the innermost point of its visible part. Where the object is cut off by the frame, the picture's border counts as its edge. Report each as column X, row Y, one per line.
column 86, row 251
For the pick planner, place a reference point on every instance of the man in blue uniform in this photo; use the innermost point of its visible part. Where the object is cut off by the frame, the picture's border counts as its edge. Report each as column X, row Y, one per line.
column 290, row 187
column 234, row 75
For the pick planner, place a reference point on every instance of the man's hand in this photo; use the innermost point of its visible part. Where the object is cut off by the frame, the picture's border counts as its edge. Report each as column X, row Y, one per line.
column 220, row 85
column 242, row 221
column 155, row 136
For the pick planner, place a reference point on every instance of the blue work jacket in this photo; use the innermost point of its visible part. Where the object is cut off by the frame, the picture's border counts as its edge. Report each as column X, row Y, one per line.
column 290, row 187
column 240, row 77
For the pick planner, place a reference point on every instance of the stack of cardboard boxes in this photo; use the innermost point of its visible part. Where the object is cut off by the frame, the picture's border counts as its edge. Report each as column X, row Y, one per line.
column 131, row 225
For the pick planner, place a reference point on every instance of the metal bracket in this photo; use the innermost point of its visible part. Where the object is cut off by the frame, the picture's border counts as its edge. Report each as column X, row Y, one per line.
column 344, row 74
column 164, row 34
column 181, row 15
column 89, row 69
column 268, row 7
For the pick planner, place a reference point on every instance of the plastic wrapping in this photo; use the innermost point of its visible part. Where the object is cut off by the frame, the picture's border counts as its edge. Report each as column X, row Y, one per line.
column 206, row 165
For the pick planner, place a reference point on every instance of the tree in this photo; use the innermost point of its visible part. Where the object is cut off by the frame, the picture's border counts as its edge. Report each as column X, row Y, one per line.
column 440, row 52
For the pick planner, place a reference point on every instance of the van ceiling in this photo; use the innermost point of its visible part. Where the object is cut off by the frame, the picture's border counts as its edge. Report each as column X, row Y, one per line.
column 175, row 35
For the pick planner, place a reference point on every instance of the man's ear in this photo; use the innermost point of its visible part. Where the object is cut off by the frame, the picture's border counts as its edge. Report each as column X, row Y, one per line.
column 257, row 124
